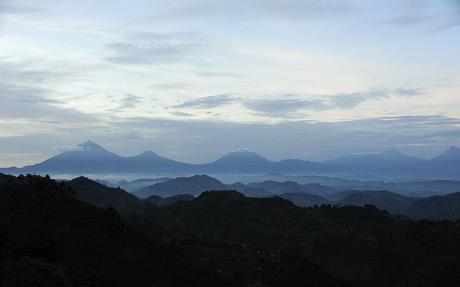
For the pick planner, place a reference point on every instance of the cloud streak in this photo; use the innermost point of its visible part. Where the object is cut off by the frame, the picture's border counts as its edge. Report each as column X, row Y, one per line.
column 153, row 48
column 280, row 107
column 23, row 97
column 207, row 102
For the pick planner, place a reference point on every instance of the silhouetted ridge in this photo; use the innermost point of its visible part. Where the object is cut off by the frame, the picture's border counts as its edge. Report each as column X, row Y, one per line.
column 103, row 196
column 160, row 201
column 221, row 238
column 181, row 185
column 452, row 154
column 53, row 239
column 241, row 161
column 91, row 146
column 90, row 158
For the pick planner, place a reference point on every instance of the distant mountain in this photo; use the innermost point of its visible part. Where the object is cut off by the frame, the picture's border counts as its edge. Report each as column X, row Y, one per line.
column 386, row 159
column 193, row 185
column 446, row 207
column 240, row 161
column 389, row 201
column 86, row 157
column 89, row 158
column 197, row 184
column 150, row 161
column 450, row 155
column 274, row 187
column 103, row 196
column 304, row 199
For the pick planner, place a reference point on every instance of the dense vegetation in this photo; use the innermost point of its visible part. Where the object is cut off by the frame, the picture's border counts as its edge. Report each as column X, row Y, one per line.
column 49, row 237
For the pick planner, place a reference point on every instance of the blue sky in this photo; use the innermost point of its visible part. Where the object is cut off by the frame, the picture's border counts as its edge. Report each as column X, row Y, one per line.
column 193, row 80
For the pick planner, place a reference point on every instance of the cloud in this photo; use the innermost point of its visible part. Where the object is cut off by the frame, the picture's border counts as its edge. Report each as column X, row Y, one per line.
column 282, row 107
column 134, row 54
column 439, row 15
column 21, row 102
column 153, row 48
column 7, row 7
column 130, row 101
column 410, row 20
column 292, row 103
column 288, row 104
column 23, row 97
column 207, row 102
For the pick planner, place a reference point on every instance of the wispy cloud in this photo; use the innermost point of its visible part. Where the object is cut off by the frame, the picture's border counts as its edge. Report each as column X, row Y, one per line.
column 9, row 7
column 153, row 48
column 130, row 101
column 23, row 97
column 291, row 103
column 447, row 15
column 207, row 102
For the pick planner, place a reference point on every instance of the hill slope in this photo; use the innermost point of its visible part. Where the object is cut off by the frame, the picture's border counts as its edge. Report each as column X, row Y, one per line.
column 49, row 238
column 193, row 185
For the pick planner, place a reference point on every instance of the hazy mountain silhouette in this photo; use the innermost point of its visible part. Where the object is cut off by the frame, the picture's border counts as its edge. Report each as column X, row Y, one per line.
column 242, row 161
column 182, row 185
column 389, row 158
column 392, row 202
column 103, row 196
column 90, row 158
column 86, row 157
column 197, row 184
column 275, row 188
column 450, row 155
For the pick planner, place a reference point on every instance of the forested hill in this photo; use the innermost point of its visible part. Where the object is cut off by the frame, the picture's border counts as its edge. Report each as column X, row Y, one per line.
column 51, row 238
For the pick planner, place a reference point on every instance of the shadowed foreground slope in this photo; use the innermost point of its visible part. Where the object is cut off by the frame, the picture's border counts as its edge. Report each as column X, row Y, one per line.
column 49, row 238
column 218, row 239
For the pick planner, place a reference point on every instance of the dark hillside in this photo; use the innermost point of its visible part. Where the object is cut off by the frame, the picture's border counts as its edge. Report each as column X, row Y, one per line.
column 221, row 238
column 340, row 240
column 49, row 238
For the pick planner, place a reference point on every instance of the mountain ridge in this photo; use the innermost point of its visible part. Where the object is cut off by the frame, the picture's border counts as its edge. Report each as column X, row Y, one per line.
column 89, row 157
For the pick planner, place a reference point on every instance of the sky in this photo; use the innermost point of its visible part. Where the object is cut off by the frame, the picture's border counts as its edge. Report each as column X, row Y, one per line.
column 195, row 79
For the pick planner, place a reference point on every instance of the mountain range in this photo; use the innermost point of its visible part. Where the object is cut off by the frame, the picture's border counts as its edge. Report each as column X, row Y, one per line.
column 90, row 158
column 445, row 206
